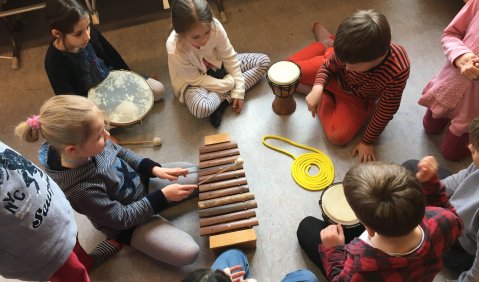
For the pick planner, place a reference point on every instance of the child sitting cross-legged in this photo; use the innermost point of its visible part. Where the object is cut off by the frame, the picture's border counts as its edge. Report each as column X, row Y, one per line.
column 407, row 228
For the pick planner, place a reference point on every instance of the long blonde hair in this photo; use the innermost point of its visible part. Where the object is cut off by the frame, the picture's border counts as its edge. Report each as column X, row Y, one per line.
column 63, row 120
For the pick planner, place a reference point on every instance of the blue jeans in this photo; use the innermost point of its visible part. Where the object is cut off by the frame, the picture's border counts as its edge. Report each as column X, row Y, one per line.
column 234, row 257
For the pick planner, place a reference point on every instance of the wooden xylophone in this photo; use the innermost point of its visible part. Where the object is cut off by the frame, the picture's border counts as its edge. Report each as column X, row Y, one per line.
column 226, row 205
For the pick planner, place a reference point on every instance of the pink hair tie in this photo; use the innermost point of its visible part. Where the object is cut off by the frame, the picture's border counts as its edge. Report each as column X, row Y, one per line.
column 34, row 122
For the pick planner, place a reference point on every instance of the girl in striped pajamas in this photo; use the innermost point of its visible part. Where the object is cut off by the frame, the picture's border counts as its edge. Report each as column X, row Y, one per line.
column 206, row 72
column 119, row 191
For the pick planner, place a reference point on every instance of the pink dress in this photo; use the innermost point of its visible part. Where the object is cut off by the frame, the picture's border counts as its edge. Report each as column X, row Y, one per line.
column 449, row 94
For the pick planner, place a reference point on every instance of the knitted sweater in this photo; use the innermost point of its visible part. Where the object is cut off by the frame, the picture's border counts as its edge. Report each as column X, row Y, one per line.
column 111, row 189
column 76, row 73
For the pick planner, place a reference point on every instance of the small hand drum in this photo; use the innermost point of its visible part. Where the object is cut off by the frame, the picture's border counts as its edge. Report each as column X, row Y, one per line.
column 283, row 77
column 124, row 97
column 335, row 207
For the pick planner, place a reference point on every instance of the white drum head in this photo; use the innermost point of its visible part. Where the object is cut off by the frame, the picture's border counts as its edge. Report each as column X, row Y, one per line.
column 283, row 73
column 336, row 207
column 123, row 96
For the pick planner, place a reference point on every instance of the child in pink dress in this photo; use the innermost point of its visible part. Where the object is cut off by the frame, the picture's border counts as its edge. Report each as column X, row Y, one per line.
column 452, row 95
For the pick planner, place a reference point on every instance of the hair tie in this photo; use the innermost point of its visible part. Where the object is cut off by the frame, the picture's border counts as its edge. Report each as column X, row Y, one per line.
column 34, row 122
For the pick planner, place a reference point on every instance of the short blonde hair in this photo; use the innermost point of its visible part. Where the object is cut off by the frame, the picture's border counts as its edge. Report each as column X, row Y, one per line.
column 64, row 120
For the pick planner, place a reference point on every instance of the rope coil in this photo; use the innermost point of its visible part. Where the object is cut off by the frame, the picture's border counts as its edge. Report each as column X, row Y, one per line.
column 302, row 164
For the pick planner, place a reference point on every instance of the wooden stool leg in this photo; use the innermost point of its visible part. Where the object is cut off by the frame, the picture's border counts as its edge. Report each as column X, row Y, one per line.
column 219, row 4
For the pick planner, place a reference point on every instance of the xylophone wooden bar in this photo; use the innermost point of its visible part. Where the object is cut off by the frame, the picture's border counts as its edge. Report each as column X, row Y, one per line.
column 226, row 204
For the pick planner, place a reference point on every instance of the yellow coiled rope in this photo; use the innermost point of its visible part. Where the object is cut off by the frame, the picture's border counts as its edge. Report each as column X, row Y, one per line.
column 302, row 164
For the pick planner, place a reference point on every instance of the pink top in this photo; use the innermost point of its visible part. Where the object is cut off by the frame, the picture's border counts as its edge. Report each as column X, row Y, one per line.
column 449, row 94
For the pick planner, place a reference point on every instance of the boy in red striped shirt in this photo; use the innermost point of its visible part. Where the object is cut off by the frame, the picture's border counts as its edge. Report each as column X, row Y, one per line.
column 362, row 79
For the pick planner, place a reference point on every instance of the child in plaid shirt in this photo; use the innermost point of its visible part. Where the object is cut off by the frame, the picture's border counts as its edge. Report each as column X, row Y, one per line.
column 407, row 228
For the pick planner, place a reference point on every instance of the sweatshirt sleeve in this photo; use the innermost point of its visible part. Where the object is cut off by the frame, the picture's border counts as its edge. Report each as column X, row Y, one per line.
column 453, row 37
column 230, row 61
column 194, row 76
column 452, row 182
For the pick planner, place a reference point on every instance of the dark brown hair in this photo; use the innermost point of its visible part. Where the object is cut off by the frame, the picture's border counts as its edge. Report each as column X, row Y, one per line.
column 187, row 13
column 385, row 197
column 64, row 14
column 362, row 37
column 207, row 275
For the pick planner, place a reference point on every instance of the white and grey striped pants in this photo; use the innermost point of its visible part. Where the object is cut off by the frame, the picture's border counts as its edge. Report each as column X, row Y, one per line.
column 202, row 103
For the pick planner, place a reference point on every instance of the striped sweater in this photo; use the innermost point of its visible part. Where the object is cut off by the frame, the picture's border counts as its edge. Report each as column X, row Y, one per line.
column 111, row 189
column 385, row 84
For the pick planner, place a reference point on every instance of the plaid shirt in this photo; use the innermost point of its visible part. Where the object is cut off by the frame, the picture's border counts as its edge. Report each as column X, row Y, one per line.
column 358, row 261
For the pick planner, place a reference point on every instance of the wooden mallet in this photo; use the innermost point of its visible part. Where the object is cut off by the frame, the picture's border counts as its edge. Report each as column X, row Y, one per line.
column 156, row 142
column 239, row 161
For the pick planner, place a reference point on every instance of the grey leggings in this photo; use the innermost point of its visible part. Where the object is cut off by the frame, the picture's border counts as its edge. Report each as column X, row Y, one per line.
column 202, row 103
column 161, row 240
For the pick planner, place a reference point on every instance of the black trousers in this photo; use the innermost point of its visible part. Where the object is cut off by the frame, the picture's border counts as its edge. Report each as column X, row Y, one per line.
column 309, row 239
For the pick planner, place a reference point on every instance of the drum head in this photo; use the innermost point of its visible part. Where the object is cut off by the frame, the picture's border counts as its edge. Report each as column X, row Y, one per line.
column 284, row 73
column 336, row 207
column 123, row 96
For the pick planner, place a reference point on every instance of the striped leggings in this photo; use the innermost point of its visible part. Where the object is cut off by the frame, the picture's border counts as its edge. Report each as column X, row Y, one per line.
column 202, row 103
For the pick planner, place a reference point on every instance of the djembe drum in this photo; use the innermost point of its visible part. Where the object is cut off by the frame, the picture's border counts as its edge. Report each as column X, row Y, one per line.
column 283, row 77
column 226, row 205
column 336, row 210
column 124, row 96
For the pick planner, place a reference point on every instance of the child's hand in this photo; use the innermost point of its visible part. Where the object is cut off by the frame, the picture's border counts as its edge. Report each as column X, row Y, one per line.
column 332, row 236
column 236, row 273
column 237, row 105
column 177, row 192
column 313, row 99
column 364, row 151
column 468, row 64
column 169, row 173
column 427, row 168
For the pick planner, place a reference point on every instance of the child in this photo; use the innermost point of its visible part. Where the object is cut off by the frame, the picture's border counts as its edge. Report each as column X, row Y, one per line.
column 464, row 196
column 365, row 67
column 233, row 265
column 79, row 57
column 108, row 183
column 206, row 72
column 404, row 240
column 451, row 95
column 38, row 235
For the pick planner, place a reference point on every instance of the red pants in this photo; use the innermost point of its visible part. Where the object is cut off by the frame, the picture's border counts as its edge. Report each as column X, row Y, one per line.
column 75, row 269
column 341, row 114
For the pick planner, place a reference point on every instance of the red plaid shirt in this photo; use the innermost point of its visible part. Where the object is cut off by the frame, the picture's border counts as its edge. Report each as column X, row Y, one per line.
column 358, row 261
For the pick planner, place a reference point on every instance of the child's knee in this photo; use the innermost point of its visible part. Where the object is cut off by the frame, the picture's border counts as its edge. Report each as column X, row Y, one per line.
column 339, row 138
column 157, row 88
column 188, row 255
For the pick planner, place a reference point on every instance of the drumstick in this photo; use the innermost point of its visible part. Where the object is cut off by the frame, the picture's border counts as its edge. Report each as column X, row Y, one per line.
column 237, row 162
column 156, row 142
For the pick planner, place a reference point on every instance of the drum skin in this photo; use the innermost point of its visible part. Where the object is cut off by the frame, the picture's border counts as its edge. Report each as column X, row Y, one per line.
column 283, row 77
column 335, row 208
column 124, row 96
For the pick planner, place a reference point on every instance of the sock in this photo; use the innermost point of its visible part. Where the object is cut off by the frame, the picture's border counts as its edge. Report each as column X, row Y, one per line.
column 217, row 115
column 104, row 251
column 322, row 35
